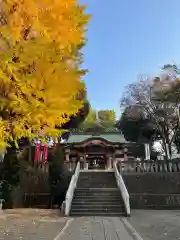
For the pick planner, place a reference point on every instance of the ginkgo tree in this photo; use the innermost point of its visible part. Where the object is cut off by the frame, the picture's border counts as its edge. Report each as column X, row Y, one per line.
column 40, row 75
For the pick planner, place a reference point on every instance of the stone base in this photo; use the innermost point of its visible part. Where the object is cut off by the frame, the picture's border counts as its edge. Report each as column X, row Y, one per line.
column 154, row 201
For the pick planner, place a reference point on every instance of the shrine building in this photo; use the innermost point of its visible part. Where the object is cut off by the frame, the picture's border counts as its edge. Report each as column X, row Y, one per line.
column 98, row 151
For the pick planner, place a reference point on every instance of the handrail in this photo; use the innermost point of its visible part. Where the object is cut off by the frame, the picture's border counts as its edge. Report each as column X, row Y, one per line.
column 122, row 188
column 70, row 191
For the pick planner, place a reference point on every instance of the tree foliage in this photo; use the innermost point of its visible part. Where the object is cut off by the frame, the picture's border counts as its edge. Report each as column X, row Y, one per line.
column 167, row 87
column 78, row 118
column 107, row 118
column 104, row 120
column 40, row 75
column 134, row 126
column 75, row 120
column 156, row 113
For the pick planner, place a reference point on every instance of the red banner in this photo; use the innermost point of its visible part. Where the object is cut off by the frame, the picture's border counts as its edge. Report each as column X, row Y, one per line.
column 45, row 153
column 37, row 151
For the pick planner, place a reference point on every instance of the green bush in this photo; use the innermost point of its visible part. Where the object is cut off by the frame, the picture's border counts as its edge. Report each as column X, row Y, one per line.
column 58, row 175
column 10, row 175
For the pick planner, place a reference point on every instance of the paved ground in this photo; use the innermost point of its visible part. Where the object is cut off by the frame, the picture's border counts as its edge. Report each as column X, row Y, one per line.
column 19, row 227
column 30, row 228
column 156, row 225
column 96, row 228
column 151, row 225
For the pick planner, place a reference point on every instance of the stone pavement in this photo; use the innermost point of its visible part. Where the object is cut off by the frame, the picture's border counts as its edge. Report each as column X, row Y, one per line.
column 150, row 224
column 95, row 228
column 156, row 224
column 30, row 228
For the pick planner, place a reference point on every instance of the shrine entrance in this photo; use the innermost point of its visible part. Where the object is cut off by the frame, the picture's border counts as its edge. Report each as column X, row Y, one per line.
column 96, row 155
column 93, row 153
column 96, row 161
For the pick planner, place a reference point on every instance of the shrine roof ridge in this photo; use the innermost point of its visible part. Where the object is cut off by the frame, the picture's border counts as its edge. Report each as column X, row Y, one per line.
column 95, row 133
column 83, row 137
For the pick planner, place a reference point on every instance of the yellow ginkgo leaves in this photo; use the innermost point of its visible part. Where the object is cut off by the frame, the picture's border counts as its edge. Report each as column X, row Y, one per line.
column 40, row 77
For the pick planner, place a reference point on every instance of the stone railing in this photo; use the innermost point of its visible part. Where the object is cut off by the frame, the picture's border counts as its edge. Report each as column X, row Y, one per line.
column 148, row 166
column 122, row 188
column 70, row 191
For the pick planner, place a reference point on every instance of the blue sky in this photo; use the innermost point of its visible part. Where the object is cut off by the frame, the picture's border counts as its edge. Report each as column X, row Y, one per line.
column 127, row 38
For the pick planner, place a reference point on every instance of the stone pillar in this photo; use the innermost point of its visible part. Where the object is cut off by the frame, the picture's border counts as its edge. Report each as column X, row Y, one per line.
column 85, row 164
column 147, row 151
column 67, row 152
column 110, row 162
column 109, row 165
column 125, row 154
column 113, row 158
column 168, row 153
column 81, row 160
column 67, row 157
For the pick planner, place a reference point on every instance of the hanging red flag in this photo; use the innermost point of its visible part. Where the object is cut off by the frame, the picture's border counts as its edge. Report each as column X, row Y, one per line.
column 45, row 153
column 37, row 151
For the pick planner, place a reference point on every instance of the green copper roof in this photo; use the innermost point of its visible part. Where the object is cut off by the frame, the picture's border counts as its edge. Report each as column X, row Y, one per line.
column 111, row 137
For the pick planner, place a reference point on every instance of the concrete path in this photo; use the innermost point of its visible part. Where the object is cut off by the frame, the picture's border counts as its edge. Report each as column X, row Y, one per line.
column 156, row 224
column 92, row 228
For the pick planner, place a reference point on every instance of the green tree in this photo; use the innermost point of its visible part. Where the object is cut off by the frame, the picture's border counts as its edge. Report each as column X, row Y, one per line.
column 102, row 120
column 134, row 126
column 107, row 118
column 10, row 176
column 78, row 119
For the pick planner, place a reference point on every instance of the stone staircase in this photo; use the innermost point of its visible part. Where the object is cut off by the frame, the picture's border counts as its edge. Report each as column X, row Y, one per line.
column 97, row 195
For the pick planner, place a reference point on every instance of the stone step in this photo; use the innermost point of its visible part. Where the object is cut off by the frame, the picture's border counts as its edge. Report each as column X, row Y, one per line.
column 101, row 176
column 102, row 208
column 97, row 176
column 95, row 185
column 92, row 181
column 97, row 199
column 104, row 214
column 102, row 194
column 99, row 203
column 113, row 181
column 97, row 195
column 98, row 189
column 98, row 184
column 91, row 200
column 97, row 180
column 97, row 173
column 102, row 202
